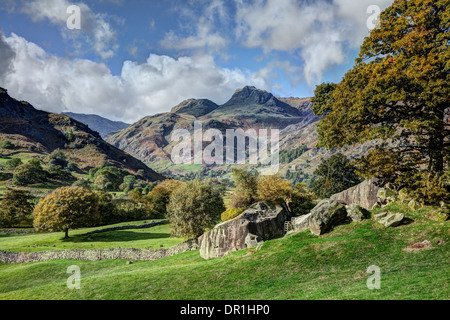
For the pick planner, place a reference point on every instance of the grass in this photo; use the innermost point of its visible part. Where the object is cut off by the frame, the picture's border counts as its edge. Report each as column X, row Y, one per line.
column 299, row 266
column 152, row 238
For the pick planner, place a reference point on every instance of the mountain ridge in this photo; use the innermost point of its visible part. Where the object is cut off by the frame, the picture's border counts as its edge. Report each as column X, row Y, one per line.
column 45, row 132
column 98, row 123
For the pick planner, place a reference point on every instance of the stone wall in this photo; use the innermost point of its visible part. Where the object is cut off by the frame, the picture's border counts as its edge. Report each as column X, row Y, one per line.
column 97, row 255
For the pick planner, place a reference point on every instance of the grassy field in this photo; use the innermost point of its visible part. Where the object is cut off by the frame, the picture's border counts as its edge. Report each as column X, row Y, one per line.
column 152, row 238
column 299, row 266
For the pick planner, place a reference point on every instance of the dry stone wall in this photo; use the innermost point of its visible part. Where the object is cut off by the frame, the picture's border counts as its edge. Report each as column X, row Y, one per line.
column 97, row 255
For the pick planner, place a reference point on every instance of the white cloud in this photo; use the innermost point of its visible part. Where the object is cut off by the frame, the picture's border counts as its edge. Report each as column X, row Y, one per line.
column 56, row 84
column 6, row 56
column 203, row 38
column 320, row 32
column 96, row 31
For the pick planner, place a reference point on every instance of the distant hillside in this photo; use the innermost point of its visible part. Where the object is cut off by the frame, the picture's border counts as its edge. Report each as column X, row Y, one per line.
column 149, row 138
column 102, row 125
column 41, row 132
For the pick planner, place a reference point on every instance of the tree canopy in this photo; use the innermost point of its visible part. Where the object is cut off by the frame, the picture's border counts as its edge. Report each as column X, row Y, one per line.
column 397, row 92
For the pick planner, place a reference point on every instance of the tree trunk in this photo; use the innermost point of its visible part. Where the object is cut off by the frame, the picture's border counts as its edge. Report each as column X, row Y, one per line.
column 66, row 236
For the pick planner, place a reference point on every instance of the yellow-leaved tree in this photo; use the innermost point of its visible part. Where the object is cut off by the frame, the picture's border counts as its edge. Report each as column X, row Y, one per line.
column 67, row 208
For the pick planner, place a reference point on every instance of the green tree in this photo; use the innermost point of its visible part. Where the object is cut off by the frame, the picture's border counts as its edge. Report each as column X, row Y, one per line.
column 158, row 199
column 246, row 192
column 334, row 175
column 194, row 207
column 67, row 208
column 15, row 207
column 323, row 98
column 129, row 183
column 397, row 92
column 29, row 173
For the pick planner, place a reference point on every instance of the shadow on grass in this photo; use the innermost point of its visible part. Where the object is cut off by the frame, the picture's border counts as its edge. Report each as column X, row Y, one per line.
column 116, row 236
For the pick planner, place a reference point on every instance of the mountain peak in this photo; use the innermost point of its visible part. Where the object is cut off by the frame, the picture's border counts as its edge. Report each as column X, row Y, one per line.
column 195, row 107
column 251, row 94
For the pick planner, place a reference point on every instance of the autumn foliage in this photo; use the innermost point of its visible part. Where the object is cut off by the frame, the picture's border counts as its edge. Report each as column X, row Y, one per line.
column 66, row 208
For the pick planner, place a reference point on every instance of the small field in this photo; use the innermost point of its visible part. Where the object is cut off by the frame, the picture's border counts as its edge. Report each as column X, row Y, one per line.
column 299, row 266
column 152, row 238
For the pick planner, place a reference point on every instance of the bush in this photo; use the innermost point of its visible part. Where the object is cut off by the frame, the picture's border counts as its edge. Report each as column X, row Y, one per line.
column 13, row 163
column 83, row 183
column 302, row 201
column 6, row 144
column 67, row 208
column 194, row 207
column 273, row 188
column 231, row 213
column 72, row 167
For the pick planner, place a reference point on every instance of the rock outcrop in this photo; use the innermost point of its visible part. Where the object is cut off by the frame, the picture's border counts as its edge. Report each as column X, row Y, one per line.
column 262, row 221
column 326, row 215
column 364, row 195
column 322, row 218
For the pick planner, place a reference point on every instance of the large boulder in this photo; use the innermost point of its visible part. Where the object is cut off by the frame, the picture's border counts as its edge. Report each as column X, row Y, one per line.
column 326, row 215
column 364, row 195
column 322, row 218
column 262, row 221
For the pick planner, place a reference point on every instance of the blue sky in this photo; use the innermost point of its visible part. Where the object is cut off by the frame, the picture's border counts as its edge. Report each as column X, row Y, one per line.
column 136, row 58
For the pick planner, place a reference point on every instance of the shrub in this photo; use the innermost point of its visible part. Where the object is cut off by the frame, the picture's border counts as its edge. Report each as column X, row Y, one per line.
column 6, row 144
column 302, row 201
column 194, row 207
column 13, row 163
column 72, row 167
column 67, row 208
column 83, row 183
column 231, row 213
column 273, row 188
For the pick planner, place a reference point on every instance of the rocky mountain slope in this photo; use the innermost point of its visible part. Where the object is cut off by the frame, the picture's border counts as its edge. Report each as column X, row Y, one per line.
column 102, row 125
column 38, row 132
column 149, row 138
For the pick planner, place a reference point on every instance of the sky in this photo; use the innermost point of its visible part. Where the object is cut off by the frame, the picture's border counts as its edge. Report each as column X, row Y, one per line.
column 131, row 59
